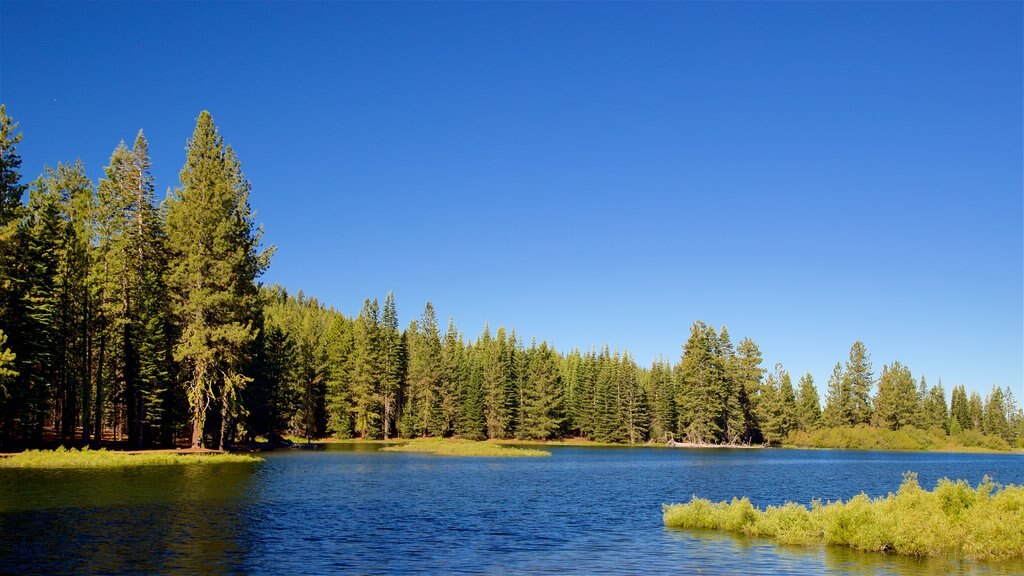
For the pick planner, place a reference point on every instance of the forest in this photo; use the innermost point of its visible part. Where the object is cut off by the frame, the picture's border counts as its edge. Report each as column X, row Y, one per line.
column 142, row 322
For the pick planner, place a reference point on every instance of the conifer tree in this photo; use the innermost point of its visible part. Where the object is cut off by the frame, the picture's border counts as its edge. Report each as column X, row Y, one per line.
column 635, row 415
column 471, row 423
column 735, row 397
column 838, row 400
column 995, row 414
column 425, row 374
column 392, row 365
column 808, row 404
column 936, row 413
column 11, row 187
column 896, row 401
column 542, row 398
column 215, row 261
column 702, row 391
column 338, row 394
column 453, row 374
column 662, row 395
column 364, row 370
column 959, row 410
column 975, row 412
column 858, row 380
column 748, row 374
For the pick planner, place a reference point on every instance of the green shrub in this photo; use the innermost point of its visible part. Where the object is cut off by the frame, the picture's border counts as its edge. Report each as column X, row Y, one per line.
column 986, row 522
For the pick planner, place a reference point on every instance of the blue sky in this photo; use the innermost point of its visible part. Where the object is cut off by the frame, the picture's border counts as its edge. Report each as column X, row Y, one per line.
column 808, row 174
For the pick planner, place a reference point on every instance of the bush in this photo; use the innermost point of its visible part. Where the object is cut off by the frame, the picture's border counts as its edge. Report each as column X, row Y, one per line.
column 986, row 522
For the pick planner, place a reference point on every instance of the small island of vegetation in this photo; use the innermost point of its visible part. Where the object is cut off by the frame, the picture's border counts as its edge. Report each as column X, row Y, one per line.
column 985, row 523
column 61, row 458
column 459, row 447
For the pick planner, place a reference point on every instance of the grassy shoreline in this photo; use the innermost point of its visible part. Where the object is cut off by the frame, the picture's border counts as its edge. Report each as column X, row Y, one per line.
column 463, row 448
column 954, row 519
column 61, row 458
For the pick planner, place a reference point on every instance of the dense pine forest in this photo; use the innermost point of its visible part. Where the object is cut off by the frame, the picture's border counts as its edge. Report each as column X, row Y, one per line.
column 131, row 320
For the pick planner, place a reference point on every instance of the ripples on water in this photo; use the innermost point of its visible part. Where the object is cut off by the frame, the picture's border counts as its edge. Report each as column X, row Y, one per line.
column 352, row 510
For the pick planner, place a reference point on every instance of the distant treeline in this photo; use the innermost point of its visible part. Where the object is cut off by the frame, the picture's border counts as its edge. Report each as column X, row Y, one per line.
column 125, row 319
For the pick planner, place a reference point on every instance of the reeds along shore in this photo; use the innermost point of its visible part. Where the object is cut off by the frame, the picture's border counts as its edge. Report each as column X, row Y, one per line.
column 986, row 522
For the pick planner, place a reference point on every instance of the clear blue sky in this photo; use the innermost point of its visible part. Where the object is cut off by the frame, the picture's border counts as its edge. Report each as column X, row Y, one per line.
column 808, row 174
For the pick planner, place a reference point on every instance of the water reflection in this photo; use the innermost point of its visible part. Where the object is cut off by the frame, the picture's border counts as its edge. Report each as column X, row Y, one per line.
column 155, row 520
column 737, row 553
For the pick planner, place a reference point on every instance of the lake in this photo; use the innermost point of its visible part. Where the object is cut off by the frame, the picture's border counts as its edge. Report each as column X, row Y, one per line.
column 353, row 510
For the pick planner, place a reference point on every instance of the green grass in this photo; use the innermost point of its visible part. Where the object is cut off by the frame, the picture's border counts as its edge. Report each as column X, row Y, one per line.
column 985, row 523
column 458, row 447
column 864, row 437
column 62, row 459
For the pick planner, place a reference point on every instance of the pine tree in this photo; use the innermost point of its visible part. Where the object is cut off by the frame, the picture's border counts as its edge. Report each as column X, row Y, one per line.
column 748, row 374
column 959, row 410
column 11, row 188
column 735, row 397
column 338, row 394
column 838, row 400
column 896, row 401
column 663, row 406
column 364, row 370
column 857, row 378
column 975, row 412
column 542, row 398
column 778, row 406
column 995, row 414
column 215, row 261
column 445, row 414
column 72, row 381
column 936, row 413
column 808, row 405
column 425, row 375
column 472, row 424
column 634, row 401
column 702, row 391
column 453, row 374
column 392, row 365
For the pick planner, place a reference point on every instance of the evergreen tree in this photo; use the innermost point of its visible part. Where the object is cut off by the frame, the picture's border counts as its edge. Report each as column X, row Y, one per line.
column 11, row 188
column 453, row 374
column 338, row 394
column 215, row 261
column 735, row 397
column 859, row 381
column 472, row 424
column 975, row 412
column 959, row 410
column 542, row 401
column 936, row 413
column 838, row 400
column 392, row 364
column 365, row 371
column 634, row 411
column 748, row 374
column 996, row 422
column 663, row 406
column 896, row 401
column 703, row 389
column 808, row 405
column 778, row 406
column 425, row 374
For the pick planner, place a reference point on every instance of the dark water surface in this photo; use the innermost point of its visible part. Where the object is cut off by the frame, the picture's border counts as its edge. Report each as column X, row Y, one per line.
column 352, row 510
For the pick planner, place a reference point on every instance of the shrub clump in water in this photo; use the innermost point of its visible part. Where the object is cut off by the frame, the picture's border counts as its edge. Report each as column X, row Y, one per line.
column 954, row 519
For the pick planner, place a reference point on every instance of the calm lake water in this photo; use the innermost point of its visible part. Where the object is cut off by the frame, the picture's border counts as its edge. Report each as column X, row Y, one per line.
column 353, row 510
